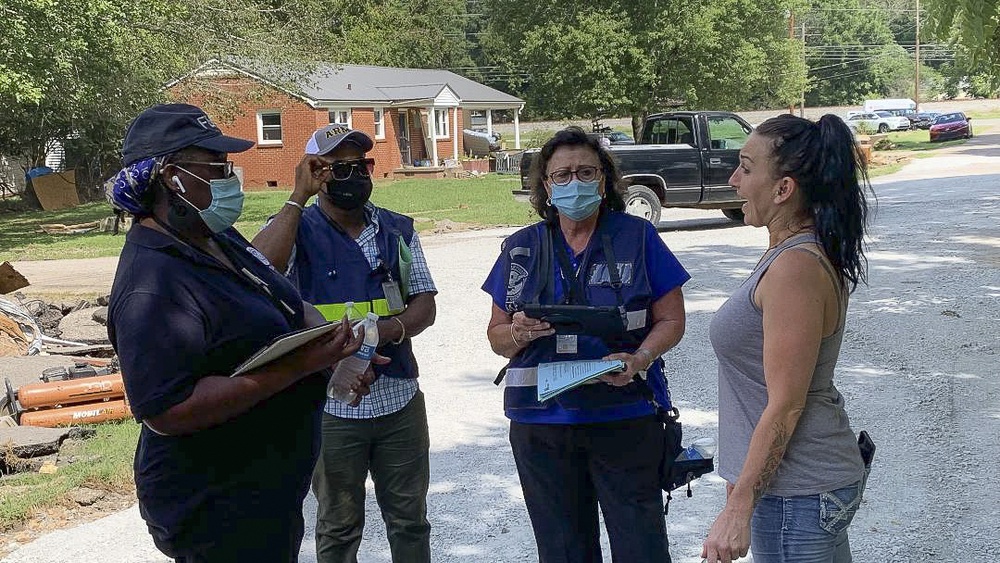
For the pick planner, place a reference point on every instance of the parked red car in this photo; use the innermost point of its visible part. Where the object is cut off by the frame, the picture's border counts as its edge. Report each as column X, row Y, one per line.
column 951, row 126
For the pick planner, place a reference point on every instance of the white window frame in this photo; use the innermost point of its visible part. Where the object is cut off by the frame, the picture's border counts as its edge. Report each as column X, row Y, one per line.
column 260, row 128
column 347, row 111
column 378, row 115
column 441, row 125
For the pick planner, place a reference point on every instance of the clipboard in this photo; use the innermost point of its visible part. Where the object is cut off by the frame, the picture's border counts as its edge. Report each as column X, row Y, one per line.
column 557, row 377
column 283, row 345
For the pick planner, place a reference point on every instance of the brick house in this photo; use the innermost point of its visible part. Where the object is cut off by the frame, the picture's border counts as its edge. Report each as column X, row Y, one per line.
column 415, row 116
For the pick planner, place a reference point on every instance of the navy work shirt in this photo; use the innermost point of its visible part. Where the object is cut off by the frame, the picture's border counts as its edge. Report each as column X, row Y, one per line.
column 177, row 315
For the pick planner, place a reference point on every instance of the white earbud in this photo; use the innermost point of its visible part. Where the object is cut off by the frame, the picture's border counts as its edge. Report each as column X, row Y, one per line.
column 177, row 182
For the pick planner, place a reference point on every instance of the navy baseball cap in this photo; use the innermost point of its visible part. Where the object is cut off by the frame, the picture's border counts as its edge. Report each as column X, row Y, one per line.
column 167, row 128
column 327, row 138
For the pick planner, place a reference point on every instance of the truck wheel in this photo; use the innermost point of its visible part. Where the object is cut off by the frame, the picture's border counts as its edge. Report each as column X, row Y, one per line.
column 734, row 214
column 882, row 128
column 643, row 202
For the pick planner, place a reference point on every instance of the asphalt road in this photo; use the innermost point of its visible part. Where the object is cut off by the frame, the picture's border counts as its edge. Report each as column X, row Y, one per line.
column 918, row 369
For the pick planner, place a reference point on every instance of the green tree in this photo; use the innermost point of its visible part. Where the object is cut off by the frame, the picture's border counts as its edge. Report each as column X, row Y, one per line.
column 632, row 57
column 76, row 72
column 852, row 53
column 974, row 25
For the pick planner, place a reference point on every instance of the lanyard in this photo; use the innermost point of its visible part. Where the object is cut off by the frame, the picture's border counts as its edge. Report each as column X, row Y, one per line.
column 242, row 272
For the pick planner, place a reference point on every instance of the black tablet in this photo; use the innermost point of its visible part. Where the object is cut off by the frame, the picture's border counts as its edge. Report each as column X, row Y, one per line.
column 579, row 319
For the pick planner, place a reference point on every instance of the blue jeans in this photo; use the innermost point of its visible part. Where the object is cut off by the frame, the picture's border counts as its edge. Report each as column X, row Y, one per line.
column 804, row 529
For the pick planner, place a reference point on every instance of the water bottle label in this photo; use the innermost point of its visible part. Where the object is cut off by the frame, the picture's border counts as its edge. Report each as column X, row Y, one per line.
column 366, row 351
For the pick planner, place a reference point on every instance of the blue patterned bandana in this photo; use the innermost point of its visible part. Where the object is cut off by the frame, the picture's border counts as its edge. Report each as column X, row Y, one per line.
column 125, row 189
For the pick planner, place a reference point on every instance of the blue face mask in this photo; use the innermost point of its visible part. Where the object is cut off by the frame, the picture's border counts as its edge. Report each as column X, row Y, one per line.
column 226, row 206
column 577, row 200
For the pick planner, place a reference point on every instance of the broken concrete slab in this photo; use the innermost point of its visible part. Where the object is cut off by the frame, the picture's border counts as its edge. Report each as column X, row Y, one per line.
column 23, row 370
column 100, row 315
column 80, row 326
column 85, row 496
column 30, row 441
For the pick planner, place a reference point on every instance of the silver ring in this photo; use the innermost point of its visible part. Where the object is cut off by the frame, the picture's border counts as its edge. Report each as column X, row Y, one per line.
column 530, row 337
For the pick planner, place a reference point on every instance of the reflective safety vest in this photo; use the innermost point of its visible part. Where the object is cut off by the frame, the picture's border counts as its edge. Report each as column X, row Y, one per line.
column 527, row 284
column 331, row 270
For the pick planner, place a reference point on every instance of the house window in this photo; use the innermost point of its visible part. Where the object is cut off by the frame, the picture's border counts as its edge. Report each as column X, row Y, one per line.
column 341, row 116
column 379, row 123
column 269, row 127
column 441, row 123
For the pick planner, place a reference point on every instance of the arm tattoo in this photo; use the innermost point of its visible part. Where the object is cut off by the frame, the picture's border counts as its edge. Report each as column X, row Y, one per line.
column 774, row 454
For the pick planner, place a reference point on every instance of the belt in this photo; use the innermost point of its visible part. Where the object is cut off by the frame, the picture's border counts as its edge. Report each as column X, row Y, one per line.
column 336, row 311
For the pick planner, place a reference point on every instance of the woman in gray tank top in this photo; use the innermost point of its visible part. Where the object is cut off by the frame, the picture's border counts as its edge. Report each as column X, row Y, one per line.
column 786, row 447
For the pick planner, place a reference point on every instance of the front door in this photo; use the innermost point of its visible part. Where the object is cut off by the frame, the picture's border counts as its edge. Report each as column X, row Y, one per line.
column 403, row 134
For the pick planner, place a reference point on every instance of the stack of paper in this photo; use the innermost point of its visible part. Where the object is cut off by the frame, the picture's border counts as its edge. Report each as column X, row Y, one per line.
column 556, row 377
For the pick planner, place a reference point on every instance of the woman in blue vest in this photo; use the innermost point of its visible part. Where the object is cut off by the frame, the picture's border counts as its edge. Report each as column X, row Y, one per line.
column 794, row 467
column 599, row 443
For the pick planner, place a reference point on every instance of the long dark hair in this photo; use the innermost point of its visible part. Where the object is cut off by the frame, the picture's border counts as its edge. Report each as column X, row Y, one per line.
column 614, row 187
column 833, row 176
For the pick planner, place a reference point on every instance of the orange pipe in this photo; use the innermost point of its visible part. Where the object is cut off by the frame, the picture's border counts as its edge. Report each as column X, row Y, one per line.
column 71, row 391
column 90, row 413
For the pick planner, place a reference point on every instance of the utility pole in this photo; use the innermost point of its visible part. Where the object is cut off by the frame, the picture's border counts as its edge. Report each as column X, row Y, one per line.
column 791, row 37
column 916, row 73
column 802, row 108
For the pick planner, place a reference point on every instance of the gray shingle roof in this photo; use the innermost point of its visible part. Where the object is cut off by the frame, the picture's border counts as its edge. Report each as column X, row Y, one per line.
column 348, row 83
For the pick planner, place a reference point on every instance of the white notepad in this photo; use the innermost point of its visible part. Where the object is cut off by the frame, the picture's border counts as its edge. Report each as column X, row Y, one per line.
column 556, row 377
column 283, row 345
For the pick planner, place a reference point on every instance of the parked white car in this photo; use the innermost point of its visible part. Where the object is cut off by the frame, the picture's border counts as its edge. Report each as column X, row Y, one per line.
column 871, row 121
column 896, row 122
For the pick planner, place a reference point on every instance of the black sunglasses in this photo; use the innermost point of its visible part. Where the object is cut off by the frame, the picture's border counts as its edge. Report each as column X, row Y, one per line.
column 342, row 169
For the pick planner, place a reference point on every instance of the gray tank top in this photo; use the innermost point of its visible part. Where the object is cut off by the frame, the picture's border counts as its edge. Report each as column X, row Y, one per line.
column 822, row 454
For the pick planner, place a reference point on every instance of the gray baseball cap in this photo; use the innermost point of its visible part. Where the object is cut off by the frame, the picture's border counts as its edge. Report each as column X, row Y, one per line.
column 325, row 139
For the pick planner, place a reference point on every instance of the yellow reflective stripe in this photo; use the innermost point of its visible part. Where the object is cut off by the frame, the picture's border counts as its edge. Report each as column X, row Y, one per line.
column 336, row 311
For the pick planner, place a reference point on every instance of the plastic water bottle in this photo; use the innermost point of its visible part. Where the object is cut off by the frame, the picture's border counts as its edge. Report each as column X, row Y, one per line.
column 702, row 448
column 351, row 368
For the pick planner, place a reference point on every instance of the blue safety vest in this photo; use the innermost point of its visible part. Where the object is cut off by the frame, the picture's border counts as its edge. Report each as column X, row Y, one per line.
column 331, row 270
column 527, row 284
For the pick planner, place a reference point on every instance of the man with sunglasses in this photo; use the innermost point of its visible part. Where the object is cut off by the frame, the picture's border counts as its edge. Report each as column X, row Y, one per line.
column 343, row 249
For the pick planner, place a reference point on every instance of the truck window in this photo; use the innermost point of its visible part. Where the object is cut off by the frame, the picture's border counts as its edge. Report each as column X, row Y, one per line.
column 669, row 131
column 725, row 133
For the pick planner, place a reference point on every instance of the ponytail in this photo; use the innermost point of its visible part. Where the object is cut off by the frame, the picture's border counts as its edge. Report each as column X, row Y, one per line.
column 833, row 177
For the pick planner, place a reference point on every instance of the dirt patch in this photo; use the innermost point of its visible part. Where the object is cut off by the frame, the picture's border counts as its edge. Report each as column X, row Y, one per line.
column 67, row 513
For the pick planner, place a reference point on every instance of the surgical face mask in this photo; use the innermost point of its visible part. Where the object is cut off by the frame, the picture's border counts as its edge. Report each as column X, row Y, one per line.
column 349, row 194
column 577, row 200
column 226, row 206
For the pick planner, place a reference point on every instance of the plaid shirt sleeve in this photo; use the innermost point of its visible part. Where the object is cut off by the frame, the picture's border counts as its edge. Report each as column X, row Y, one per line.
column 420, row 276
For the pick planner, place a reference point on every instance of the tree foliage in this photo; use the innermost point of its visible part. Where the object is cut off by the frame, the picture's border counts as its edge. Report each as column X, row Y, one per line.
column 974, row 25
column 633, row 57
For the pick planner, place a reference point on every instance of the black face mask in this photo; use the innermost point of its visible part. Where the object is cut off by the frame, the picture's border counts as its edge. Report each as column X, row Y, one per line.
column 349, row 194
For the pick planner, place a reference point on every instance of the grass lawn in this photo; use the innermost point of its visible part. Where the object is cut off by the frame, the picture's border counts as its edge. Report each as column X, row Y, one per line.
column 919, row 140
column 478, row 201
column 103, row 462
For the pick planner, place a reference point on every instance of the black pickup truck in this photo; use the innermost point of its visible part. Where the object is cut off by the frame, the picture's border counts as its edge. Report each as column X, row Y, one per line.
column 683, row 159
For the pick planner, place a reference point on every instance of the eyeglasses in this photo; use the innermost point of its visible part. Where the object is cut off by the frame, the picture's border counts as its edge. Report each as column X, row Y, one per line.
column 562, row 176
column 227, row 167
column 342, row 169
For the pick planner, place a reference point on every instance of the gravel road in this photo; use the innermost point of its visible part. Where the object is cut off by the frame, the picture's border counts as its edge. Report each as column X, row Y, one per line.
column 919, row 371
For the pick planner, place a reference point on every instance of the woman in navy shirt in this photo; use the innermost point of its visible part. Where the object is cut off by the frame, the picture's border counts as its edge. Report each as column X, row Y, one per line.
column 597, row 444
column 223, row 463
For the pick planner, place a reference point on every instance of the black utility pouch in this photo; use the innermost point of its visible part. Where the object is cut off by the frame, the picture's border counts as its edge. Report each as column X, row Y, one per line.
column 675, row 474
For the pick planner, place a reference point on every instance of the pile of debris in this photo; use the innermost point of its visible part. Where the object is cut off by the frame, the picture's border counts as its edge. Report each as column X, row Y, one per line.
column 59, row 370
